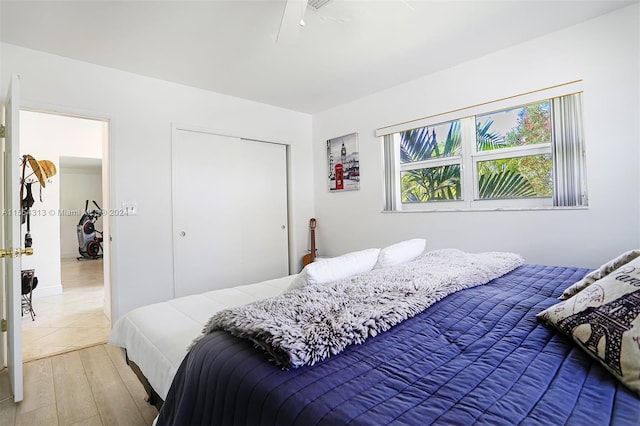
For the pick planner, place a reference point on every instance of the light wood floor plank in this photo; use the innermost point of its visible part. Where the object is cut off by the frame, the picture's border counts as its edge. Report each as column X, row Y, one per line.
column 46, row 415
column 91, row 387
column 5, row 385
column 7, row 406
column 115, row 404
column 38, row 386
column 7, row 412
column 132, row 383
column 74, row 399
column 93, row 421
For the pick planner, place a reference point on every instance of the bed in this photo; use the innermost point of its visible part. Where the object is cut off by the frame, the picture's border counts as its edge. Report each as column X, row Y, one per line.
column 156, row 337
column 477, row 356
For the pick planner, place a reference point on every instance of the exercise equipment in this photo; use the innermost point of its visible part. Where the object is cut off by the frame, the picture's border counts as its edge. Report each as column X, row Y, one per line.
column 89, row 238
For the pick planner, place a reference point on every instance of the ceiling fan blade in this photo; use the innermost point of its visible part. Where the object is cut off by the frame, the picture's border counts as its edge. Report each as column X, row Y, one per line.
column 292, row 21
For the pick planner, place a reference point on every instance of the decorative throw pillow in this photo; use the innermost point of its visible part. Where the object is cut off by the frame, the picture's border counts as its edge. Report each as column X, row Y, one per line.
column 599, row 273
column 322, row 271
column 604, row 320
column 398, row 253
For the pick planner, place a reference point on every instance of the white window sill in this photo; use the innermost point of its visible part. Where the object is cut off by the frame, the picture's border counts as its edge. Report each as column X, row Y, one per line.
column 494, row 209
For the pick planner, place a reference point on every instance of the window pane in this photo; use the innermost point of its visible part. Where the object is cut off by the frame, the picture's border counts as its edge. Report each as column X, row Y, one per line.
column 520, row 177
column 525, row 125
column 426, row 143
column 431, row 184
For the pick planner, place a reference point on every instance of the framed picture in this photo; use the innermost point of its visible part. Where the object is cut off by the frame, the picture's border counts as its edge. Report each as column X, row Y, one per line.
column 343, row 163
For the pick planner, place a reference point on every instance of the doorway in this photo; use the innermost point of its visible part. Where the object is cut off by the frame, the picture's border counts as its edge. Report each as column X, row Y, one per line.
column 71, row 301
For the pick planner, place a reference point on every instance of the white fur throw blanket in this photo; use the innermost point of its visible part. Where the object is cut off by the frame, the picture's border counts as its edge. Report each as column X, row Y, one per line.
column 306, row 325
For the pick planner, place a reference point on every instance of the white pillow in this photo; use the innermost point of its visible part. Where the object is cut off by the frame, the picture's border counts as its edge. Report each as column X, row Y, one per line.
column 402, row 252
column 327, row 270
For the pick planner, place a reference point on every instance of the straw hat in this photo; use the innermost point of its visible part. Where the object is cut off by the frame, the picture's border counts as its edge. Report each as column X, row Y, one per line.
column 35, row 167
column 48, row 168
column 43, row 169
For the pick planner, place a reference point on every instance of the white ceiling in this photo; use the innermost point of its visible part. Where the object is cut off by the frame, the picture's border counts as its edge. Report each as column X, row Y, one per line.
column 347, row 49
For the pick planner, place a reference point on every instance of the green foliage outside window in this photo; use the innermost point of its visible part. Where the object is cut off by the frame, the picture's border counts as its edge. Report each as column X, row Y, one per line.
column 517, row 177
column 433, row 183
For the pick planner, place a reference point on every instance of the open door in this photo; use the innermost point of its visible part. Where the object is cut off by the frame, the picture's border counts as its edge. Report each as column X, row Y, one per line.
column 12, row 252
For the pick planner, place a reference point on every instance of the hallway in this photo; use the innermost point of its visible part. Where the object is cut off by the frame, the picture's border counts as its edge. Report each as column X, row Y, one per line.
column 71, row 320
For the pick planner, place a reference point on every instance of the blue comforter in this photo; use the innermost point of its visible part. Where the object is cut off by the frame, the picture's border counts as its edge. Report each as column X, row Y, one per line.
column 479, row 356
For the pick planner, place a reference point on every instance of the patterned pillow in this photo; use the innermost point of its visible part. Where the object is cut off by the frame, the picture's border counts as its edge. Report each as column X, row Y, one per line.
column 601, row 272
column 604, row 320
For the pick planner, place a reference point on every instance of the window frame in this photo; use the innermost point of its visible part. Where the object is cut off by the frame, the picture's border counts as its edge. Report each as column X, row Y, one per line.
column 503, row 154
column 469, row 156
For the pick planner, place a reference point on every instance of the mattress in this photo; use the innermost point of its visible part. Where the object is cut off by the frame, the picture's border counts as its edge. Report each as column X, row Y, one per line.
column 478, row 356
column 156, row 337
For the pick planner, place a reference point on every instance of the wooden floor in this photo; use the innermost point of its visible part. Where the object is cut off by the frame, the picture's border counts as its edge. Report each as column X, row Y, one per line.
column 91, row 386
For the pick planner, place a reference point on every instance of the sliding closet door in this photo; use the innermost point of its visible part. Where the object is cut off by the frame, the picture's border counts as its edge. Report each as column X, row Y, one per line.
column 229, row 211
column 265, row 242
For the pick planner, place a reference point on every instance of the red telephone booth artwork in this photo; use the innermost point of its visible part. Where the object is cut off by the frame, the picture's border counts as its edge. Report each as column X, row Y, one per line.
column 343, row 164
column 339, row 176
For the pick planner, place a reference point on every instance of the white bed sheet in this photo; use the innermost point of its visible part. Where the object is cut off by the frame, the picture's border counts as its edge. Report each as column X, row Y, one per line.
column 157, row 336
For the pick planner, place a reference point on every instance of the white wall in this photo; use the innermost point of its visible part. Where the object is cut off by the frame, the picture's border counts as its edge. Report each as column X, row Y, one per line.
column 141, row 111
column 76, row 186
column 604, row 52
column 48, row 137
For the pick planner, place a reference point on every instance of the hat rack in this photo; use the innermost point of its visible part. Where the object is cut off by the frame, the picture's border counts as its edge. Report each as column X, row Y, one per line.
column 40, row 172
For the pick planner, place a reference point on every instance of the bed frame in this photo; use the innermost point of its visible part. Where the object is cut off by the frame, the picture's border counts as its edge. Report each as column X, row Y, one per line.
column 152, row 396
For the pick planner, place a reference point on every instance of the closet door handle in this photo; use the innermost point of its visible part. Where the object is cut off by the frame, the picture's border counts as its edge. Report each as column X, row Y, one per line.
column 183, row 234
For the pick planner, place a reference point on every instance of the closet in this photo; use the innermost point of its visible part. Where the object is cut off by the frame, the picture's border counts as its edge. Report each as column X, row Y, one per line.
column 229, row 211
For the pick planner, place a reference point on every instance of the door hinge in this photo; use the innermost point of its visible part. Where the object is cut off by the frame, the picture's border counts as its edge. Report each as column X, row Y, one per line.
column 3, row 325
column 3, row 131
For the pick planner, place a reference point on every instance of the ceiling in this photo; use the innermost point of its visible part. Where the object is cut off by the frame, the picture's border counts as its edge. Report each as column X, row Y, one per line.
column 346, row 50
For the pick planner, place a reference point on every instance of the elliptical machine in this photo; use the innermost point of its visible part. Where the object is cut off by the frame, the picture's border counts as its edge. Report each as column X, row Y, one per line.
column 89, row 238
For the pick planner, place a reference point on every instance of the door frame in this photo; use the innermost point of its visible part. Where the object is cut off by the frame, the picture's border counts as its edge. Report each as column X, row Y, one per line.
column 108, row 189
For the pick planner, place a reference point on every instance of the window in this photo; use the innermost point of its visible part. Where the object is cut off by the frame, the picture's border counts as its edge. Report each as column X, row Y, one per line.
column 523, row 155
column 431, row 164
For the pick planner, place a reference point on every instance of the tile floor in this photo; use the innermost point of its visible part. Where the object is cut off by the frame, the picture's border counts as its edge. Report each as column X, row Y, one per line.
column 71, row 320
